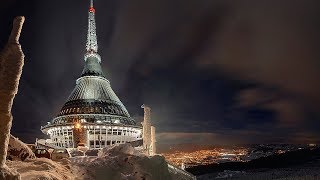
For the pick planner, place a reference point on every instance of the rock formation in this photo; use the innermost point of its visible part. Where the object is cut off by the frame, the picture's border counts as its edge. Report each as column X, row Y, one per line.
column 122, row 162
column 42, row 168
column 11, row 63
column 17, row 150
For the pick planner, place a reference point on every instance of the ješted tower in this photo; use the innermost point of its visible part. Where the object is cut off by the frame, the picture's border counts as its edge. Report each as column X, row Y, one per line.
column 93, row 115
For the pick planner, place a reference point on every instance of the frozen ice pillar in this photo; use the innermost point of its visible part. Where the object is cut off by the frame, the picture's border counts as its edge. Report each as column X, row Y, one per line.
column 11, row 63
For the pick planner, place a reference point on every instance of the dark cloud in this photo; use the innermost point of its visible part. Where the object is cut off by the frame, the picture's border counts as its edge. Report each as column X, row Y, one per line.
column 221, row 69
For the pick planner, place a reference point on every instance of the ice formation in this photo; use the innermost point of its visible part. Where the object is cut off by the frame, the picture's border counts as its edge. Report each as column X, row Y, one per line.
column 17, row 150
column 11, row 63
column 42, row 168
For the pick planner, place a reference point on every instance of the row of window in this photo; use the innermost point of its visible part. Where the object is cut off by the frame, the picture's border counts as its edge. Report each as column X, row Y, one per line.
column 67, row 137
column 93, row 120
column 100, row 144
column 103, row 131
column 66, row 132
column 110, row 109
column 113, row 132
column 64, row 144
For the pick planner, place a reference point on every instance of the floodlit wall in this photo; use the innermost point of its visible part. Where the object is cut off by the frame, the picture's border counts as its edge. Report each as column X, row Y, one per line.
column 153, row 140
column 146, row 124
column 93, row 136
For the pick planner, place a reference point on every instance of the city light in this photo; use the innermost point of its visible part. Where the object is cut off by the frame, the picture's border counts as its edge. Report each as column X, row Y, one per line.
column 77, row 125
column 203, row 157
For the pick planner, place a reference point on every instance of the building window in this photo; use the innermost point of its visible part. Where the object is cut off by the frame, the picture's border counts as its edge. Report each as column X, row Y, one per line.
column 91, row 144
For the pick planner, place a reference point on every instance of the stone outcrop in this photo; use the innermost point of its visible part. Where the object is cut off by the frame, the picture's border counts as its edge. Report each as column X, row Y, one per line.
column 11, row 63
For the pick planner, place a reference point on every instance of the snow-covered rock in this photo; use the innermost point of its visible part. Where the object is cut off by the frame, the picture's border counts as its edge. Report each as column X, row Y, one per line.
column 92, row 152
column 17, row 150
column 123, row 162
column 9, row 174
column 117, row 150
column 42, row 168
column 11, row 63
column 76, row 153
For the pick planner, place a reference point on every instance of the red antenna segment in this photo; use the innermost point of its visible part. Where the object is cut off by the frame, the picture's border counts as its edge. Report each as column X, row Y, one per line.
column 91, row 9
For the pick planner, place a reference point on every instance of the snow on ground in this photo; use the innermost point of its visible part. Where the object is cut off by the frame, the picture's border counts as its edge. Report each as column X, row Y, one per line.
column 17, row 150
column 120, row 162
column 41, row 168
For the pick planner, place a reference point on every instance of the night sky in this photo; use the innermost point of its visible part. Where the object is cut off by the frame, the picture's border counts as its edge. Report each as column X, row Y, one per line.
column 213, row 71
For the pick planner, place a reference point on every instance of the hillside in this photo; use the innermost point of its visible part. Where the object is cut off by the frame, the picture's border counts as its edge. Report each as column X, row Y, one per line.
column 299, row 158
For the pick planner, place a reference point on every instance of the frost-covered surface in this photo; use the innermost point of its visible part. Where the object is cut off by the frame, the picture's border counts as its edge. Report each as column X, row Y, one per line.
column 177, row 173
column 123, row 162
column 17, row 150
column 11, row 63
column 76, row 153
column 41, row 168
column 8, row 174
column 33, row 168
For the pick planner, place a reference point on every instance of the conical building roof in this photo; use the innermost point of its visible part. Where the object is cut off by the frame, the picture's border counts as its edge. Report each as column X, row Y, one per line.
column 93, row 96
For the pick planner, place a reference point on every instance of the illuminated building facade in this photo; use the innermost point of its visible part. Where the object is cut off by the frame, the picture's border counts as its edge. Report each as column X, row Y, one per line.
column 93, row 115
